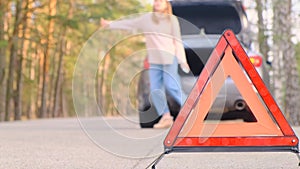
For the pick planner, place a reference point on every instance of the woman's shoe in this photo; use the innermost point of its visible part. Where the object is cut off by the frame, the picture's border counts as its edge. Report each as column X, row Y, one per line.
column 164, row 122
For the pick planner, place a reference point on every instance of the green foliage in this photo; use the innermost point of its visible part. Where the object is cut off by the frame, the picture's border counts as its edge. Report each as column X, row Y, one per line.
column 65, row 22
column 3, row 43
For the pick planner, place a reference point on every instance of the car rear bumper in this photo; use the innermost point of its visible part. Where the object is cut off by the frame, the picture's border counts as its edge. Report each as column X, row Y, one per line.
column 228, row 98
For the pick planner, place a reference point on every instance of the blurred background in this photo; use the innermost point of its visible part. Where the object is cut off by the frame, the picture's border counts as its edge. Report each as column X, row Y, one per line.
column 41, row 40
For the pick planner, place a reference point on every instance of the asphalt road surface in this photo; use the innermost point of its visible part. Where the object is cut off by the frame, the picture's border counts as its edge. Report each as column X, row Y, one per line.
column 119, row 143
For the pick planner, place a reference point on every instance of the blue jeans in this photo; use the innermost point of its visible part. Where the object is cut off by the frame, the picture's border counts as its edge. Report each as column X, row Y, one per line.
column 165, row 78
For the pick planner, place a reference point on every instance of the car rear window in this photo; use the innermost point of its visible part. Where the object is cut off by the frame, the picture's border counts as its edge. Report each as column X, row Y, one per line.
column 213, row 18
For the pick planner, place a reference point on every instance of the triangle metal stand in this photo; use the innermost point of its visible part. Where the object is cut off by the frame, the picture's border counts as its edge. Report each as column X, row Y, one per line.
column 168, row 151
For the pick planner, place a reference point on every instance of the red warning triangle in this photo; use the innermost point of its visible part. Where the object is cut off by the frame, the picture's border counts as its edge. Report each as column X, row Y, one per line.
column 190, row 131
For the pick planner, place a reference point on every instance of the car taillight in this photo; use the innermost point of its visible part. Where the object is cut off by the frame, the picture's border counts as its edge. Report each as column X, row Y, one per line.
column 256, row 60
column 146, row 64
column 244, row 7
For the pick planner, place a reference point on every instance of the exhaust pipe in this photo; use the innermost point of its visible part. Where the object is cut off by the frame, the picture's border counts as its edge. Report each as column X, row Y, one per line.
column 240, row 105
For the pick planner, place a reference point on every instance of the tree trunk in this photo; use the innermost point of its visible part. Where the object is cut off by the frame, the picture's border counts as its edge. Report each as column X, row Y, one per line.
column 264, row 47
column 58, row 90
column 286, row 66
column 292, row 94
column 58, row 81
column 13, row 56
column 277, row 64
column 47, row 54
column 21, row 56
column 3, row 45
column 28, row 52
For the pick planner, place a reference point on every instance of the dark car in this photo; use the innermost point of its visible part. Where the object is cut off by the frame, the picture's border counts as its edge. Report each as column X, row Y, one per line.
column 202, row 23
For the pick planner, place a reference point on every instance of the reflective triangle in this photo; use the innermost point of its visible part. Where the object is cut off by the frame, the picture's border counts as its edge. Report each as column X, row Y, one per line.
column 190, row 130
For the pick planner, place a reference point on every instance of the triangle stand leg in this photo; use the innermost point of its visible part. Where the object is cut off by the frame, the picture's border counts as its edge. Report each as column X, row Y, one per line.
column 158, row 159
column 297, row 152
column 298, row 155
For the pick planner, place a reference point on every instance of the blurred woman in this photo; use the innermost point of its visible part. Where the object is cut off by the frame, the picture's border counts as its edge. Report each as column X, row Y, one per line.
column 164, row 51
